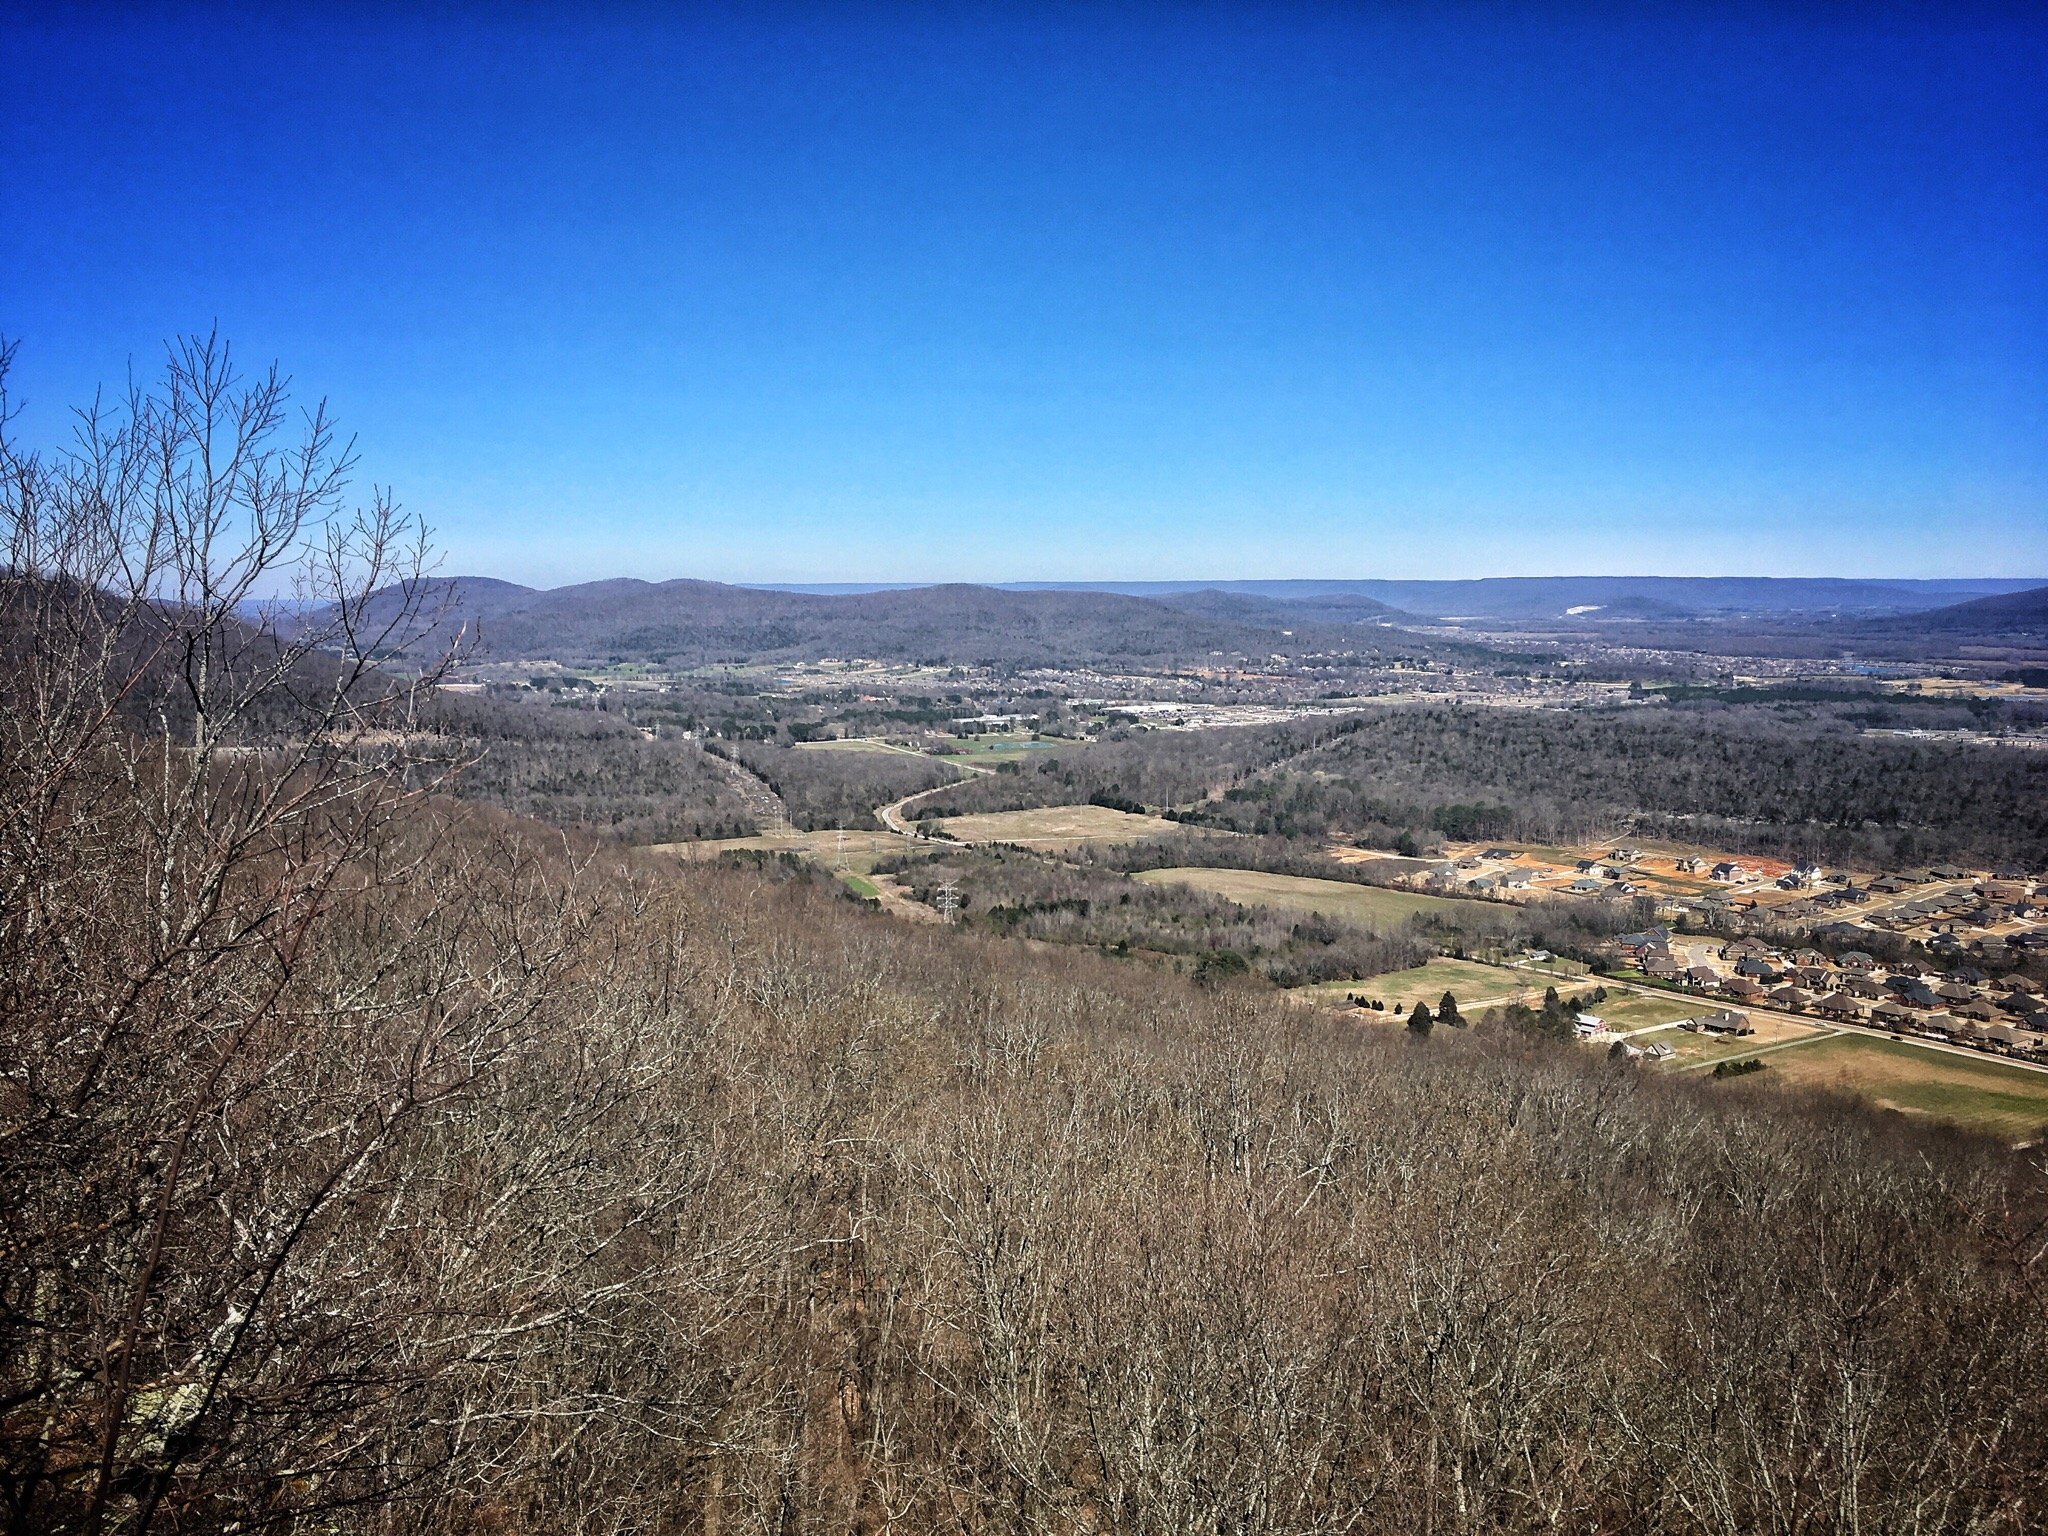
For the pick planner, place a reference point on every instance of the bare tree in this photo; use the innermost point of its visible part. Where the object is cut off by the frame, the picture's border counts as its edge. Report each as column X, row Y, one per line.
column 208, row 1053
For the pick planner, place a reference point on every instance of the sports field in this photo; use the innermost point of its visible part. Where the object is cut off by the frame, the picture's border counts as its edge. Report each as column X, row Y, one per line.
column 1057, row 826
column 1370, row 905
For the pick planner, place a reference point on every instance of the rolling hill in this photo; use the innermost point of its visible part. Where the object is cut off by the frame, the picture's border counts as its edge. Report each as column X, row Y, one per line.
column 697, row 623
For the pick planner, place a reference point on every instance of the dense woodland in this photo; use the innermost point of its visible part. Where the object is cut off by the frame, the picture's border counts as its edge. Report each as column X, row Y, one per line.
column 1744, row 780
column 1798, row 781
column 589, row 770
column 831, row 787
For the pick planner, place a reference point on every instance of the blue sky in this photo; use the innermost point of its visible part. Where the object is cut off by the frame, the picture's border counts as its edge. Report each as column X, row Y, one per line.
column 958, row 292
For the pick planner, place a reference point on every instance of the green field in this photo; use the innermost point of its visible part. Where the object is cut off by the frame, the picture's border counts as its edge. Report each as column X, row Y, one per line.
column 1369, row 905
column 1624, row 1011
column 1980, row 1093
column 860, row 886
column 1474, row 985
column 1002, row 749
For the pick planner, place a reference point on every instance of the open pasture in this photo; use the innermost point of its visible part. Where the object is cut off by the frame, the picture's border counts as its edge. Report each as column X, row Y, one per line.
column 1370, row 905
column 858, row 852
column 1055, row 827
column 1980, row 1093
column 1473, row 984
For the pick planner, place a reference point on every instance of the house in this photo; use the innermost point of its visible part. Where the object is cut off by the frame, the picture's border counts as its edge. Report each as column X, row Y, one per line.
column 1789, row 997
column 1977, row 1011
column 1587, row 1025
column 1886, row 885
column 1915, row 993
column 1702, row 976
column 1741, row 987
column 1586, row 887
column 1727, row 874
column 1861, row 986
column 1894, row 1016
column 1690, row 865
column 1756, row 968
column 1586, row 866
column 1838, row 1005
column 1729, row 1021
column 1949, row 872
column 1626, row 855
column 1657, row 1051
column 1662, row 968
column 1855, row 960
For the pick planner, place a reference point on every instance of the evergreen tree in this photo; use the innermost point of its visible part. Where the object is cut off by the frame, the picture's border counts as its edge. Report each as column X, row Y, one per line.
column 1419, row 1022
column 1447, row 1012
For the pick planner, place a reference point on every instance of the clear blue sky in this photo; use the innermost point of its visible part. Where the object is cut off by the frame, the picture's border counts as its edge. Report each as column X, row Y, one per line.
column 1073, row 292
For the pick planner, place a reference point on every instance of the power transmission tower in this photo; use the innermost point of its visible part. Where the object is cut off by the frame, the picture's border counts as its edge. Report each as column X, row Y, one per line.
column 947, row 900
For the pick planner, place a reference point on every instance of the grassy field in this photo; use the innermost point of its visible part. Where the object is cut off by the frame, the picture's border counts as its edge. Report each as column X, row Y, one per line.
column 1002, row 749
column 853, row 744
column 1474, row 985
column 860, row 850
column 1690, row 1048
column 1057, row 826
column 1366, row 904
column 1983, row 1094
column 1624, row 1011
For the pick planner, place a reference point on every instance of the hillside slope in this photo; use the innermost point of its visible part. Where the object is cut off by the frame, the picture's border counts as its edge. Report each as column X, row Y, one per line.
column 694, row 623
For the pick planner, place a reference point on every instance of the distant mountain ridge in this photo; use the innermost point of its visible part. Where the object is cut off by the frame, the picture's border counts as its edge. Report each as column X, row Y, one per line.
column 701, row 623
column 1541, row 598
column 2024, row 610
column 697, row 623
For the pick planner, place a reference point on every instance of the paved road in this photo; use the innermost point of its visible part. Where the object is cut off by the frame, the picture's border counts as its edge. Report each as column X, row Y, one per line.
column 891, row 815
